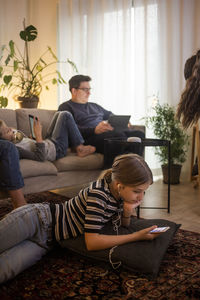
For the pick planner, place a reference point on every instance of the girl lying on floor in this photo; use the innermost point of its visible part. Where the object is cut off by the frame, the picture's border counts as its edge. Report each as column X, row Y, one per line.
column 30, row 231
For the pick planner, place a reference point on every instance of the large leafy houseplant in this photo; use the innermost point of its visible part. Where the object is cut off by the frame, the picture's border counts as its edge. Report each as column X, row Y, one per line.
column 166, row 126
column 19, row 76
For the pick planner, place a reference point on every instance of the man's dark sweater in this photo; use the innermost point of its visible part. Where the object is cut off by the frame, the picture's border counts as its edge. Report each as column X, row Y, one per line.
column 86, row 115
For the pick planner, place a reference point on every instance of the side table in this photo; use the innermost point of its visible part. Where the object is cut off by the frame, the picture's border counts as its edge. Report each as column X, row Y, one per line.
column 116, row 146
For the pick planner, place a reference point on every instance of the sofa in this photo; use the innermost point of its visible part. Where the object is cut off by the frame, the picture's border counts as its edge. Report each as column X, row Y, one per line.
column 42, row 176
column 68, row 171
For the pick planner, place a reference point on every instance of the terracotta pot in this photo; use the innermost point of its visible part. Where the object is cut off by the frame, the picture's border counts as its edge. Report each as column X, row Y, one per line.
column 28, row 102
column 175, row 171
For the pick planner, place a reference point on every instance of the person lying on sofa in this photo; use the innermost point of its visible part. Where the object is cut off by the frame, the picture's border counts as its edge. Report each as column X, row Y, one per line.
column 62, row 134
column 28, row 233
column 90, row 117
column 11, row 178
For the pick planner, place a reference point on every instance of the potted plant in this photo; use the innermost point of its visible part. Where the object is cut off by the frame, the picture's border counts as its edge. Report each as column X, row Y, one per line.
column 19, row 76
column 166, row 126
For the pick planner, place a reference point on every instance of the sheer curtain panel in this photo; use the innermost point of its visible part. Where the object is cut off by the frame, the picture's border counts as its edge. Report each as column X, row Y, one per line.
column 134, row 51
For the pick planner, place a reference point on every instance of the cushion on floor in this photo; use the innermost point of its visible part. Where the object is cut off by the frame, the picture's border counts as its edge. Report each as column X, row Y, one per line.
column 143, row 256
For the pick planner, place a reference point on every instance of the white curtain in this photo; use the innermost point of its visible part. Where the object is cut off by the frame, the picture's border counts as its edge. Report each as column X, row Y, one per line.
column 96, row 35
column 134, row 50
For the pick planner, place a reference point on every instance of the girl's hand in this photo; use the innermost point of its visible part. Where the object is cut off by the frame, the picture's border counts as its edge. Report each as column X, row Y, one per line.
column 128, row 207
column 145, row 234
column 37, row 127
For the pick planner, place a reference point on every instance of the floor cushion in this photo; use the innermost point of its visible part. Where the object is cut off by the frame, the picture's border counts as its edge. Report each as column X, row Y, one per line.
column 143, row 256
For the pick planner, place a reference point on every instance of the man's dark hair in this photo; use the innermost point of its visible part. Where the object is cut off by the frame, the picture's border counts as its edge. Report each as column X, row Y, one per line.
column 189, row 64
column 76, row 80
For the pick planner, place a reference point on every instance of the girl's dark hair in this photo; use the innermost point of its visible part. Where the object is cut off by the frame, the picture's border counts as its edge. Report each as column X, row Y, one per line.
column 189, row 64
column 130, row 170
column 189, row 106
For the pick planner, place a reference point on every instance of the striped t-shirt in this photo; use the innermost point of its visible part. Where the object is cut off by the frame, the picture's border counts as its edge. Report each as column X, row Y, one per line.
column 88, row 212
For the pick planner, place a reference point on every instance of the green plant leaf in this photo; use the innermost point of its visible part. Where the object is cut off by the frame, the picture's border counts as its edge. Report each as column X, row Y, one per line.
column 7, row 60
column 3, row 101
column 12, row 49
column 2, row 50
column 7, row 79
column 1, row 71
column 15, row 65
column 39, row 68
column 73, row 65
column 29, row 34
column 60, row 77
column 52, row 53
column 43, row 61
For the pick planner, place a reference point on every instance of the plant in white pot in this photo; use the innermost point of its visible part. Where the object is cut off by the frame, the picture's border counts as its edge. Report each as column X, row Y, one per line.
column 18, row 76
column 166, row 126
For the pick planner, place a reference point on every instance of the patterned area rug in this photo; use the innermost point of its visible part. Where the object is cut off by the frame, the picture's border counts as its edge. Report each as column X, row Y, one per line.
column 64, row 275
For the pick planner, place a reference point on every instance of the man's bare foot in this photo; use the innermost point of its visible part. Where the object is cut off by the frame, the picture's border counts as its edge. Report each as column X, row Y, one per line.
column 83, row 151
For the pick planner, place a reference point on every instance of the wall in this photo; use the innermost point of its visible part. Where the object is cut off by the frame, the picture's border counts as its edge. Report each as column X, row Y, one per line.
column 43, row 14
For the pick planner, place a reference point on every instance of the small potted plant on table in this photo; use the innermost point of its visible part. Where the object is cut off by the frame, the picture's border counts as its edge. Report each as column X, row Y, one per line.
column 166, row 126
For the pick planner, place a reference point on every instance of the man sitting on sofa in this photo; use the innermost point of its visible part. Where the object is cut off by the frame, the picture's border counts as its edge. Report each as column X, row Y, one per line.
column 91, row 117
column 11, row 179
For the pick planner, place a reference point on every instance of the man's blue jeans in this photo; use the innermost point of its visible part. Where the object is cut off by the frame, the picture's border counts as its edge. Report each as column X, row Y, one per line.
column 25, row 236
column 10, row 175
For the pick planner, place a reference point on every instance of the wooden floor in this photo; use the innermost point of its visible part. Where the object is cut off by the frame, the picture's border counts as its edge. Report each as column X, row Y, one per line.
column 185, row 203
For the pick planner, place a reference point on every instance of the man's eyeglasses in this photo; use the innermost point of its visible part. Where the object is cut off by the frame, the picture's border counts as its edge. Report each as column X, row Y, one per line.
column 85, row 89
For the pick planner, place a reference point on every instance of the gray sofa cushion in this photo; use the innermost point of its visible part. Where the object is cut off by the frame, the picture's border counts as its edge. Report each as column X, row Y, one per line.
column 31, row 168
column 9, row 116
column 45, row 116
column 73, row 162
